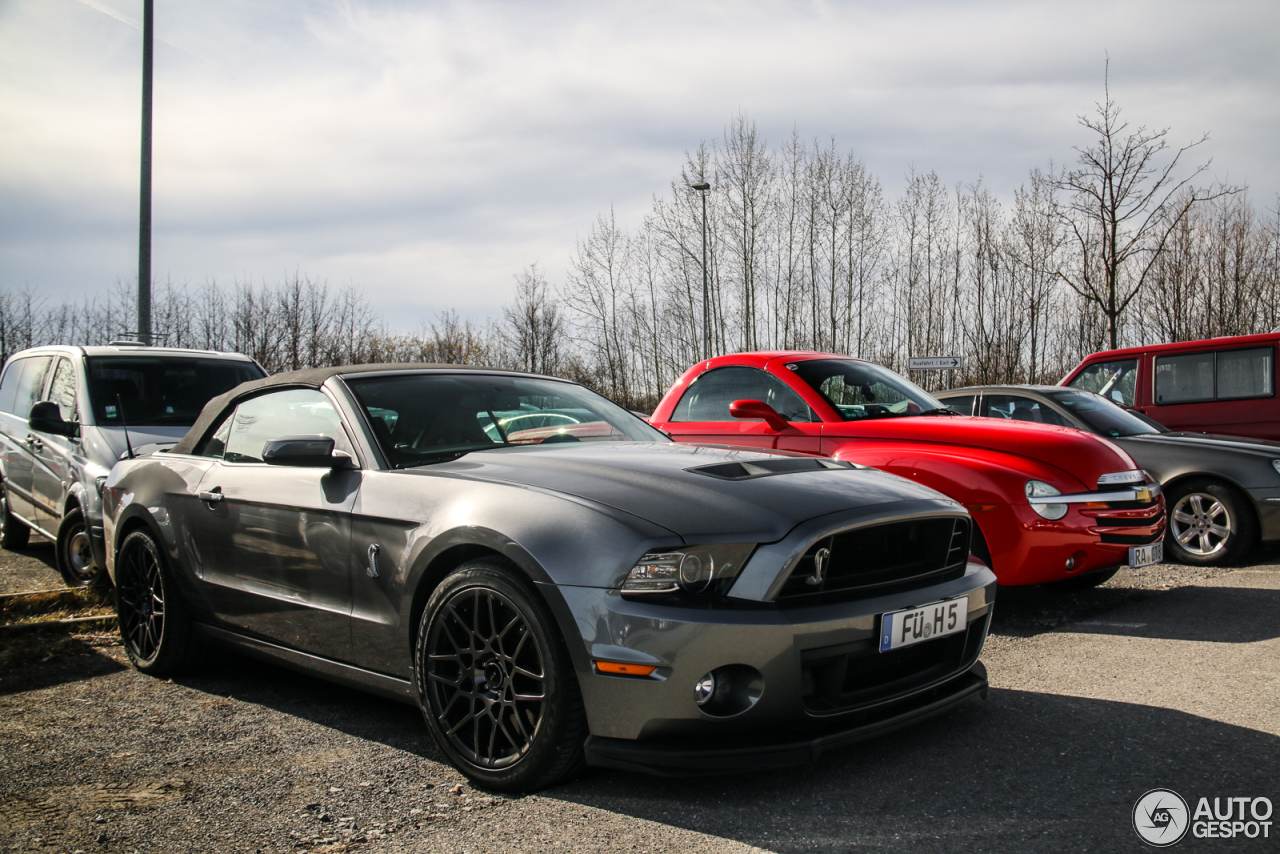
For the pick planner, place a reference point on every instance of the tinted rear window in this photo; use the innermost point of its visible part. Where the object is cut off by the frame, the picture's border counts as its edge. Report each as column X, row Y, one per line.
column 160, row 390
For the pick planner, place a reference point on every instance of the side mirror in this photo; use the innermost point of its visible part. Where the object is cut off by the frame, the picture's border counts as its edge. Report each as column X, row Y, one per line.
column 304, row 452
column 758, row 409
column 47, row 418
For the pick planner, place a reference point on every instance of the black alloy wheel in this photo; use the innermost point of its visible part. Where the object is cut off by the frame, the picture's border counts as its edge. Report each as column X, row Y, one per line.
column 1210, row 524
column 14, row 534
column 494, row 680
column 74, row 553
column 158, row 636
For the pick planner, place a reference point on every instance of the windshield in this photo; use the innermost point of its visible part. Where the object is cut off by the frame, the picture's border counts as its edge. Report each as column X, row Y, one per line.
column 424, row 418
column 145, row 391
column 861, row 390
column 1101, row 415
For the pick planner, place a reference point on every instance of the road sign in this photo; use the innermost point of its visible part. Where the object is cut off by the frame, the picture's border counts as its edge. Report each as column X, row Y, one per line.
column 935, row 363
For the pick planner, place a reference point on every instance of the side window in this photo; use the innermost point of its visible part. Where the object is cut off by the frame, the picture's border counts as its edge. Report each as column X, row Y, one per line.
column 62, row 390
column 216, row 445
column 1017, row 408
column 1116, row 381
column 708, row 397
column 9, row 383
column 1184, row 379
column 30, row 384
column 1242, row 373
column 962, row 404
column 293, row 412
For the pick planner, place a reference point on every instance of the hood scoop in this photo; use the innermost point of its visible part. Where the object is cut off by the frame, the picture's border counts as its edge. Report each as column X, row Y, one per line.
column 768, row 467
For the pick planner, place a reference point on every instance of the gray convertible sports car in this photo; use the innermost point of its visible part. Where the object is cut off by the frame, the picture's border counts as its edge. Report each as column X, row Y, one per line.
column 549, row 578
column 1223, row 492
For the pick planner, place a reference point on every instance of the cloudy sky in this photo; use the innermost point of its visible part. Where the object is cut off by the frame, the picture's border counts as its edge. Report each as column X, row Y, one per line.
column 427, row 151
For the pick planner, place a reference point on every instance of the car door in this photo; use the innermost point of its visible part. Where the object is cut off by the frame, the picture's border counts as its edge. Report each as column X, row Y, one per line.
column 272, row 543
column 21, row 443
column 702, row 415
column 51, row 466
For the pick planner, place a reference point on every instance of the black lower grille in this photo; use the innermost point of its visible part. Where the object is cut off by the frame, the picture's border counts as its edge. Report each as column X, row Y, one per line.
column 879, row 559
column 842, row 678
column 1129, row 539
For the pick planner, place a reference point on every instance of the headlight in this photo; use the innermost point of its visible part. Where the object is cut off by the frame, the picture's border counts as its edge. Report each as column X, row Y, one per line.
column 691, row 569
column 1040, row 489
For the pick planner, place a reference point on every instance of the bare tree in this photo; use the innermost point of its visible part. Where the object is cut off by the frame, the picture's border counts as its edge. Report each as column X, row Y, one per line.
column 1125, row 203
column 535, row 328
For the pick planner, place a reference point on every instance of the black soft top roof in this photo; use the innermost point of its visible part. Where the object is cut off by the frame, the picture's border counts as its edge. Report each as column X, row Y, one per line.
column 309, row 378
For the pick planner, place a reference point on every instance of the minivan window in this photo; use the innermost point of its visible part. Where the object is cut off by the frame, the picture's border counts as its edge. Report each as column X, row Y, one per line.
column 1184, row 379
column 9, row 384
column 1117, row 380
column 159, row 390
column 30, row 384
column 1245, row 373
column 62, row 390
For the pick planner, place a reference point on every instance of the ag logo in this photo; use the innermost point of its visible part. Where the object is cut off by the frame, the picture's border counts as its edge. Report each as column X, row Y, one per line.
column 820, row 560
column 1160, row 817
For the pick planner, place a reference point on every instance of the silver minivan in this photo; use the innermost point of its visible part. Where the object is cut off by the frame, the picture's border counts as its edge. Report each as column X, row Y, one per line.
column 67, row 414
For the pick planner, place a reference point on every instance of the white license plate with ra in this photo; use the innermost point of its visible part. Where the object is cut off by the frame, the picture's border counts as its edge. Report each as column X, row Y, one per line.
column 903, row 628
column 1146, row 555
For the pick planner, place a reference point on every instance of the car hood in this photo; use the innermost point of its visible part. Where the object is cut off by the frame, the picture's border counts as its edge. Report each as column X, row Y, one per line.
column 1085, row 456
column 1264, row 447
column 108, row 443
column 653, row 481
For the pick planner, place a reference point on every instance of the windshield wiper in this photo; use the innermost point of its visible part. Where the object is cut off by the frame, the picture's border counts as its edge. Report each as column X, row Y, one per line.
column 942, row 410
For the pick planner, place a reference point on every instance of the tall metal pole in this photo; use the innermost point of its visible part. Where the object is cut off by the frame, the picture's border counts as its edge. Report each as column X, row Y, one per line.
column 706, row 292
column 702, row 189
column 144, row 202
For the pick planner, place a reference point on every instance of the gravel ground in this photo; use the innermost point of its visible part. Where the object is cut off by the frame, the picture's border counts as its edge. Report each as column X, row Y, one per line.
column 1164, row 677
column 31, row 569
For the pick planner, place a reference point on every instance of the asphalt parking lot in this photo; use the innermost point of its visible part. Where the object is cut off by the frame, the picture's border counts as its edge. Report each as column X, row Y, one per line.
column 1165, row 677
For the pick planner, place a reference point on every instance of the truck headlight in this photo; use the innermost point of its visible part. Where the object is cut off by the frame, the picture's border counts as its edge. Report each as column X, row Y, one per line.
column 690, row 569
column 1040, row 489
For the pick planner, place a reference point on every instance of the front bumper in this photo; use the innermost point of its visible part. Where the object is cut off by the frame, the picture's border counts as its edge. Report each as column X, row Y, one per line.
column 1266, row 501
column 675, row 757
column 819, row 678
column 1026, row 548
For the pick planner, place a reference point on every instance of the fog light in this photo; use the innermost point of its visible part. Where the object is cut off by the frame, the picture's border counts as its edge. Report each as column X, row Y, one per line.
column 705, row 689
column 1071, row 564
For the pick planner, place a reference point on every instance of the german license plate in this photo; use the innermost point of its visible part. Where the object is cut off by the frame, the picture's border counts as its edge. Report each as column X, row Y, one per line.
column 903, row 628
column 1146, row 555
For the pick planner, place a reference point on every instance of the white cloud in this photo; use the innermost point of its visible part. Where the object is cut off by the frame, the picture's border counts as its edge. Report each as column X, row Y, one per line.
column 429, row 151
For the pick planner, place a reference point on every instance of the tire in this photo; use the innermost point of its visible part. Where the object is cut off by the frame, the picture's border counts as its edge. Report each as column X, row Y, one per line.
column 1210, row 524
column 14, row 534
column 158, row 634
column 74, row 554
column 1088, row 581
column 486, row 639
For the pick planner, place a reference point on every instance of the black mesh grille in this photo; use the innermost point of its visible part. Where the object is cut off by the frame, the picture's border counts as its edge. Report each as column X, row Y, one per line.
column 879, row 559
column 845, row 677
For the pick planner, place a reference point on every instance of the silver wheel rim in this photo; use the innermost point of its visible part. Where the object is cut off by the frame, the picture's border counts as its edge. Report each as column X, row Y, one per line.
column 80, row 554
column 1201, row 524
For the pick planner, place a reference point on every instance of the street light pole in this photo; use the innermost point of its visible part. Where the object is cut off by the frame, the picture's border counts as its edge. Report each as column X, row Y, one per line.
column 144, row 202
column 706, row 293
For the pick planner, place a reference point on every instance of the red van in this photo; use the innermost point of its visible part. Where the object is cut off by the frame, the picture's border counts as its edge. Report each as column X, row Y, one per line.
column 1220, row 385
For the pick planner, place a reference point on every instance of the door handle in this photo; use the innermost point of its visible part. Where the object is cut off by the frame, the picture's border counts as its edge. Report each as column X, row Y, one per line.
column 213, row 496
